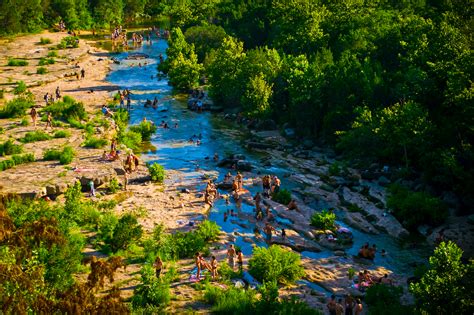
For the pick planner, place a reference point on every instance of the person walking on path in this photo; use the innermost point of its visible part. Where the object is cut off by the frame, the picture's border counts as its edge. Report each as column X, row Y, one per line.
column 231, row 256
column 158, row 266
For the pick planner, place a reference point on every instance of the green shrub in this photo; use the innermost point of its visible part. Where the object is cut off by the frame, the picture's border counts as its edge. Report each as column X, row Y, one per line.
column 41, row 70
column 16, row 160
column 51, row 155
column 114, row 185
column 64, row 157
column 34, row 136
column 76, row 123
column 46, row 61
column 125, row 232
column 53, row 54
column 283, row 196
column 131, row 139
column 146, row 129
column 334, row 169
column 16, row 108
column 2, row 94
column 61, row 134
column 67, row 109
column 24, row 122
column 157, row 172
column 324, row 220
column 415, row 208
column 9, row 148
column 379, row 296
column 20, row 88
column 93, row 142
column 67, row 155
column 151, row 291
column 44, row 41
column 230, row 301
column 13, row 62
column 69, row 42
column 275, row 263
column 208, row 230
column 185, row 245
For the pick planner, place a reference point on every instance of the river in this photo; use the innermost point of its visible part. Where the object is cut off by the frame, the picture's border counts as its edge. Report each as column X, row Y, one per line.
column 174, row 151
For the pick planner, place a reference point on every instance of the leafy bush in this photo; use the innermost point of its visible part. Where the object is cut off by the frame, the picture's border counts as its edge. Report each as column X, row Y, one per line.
column 12, row 62
column 324, row 220
column 131, row 139
column 145, row 128
column 69, row 42
column 151, row 291
column 9, row 148
column 157, row 172
column 114, row 185
column 41, row 70
column 185, row 245
column 283, row 196
column 275, row 263
column 20, row 88
column 61, row 134
column 208, row 231
column 379, row 296
column 51, row 155
column 46, row 61
column 24, row 122
column 67, row 155
column 16, row 160
column 415, row 208
column 230, row 301
column 67, row 109
column 2, row 94
column 34, row 136
column 124, row 233
column 16, row 108
column 44, row 41
column 93, row 142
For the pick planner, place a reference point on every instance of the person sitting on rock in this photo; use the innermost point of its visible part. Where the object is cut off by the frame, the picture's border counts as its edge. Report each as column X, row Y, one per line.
column 371, row 252
column 292, row 205
column 227, row 177
column 385, row 280
column 239, row 179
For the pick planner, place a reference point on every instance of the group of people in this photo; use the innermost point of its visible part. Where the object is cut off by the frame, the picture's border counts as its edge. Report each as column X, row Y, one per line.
column 210, row 194
column 349, row 306
column 368, row 252
column 202, row 264
column 365, row 279
column 50, row 98
column 125, row 96
column 271, row 185
column 114, row 153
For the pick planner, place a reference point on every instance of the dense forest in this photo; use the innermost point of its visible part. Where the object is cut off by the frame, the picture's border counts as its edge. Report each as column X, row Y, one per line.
column 381, row 80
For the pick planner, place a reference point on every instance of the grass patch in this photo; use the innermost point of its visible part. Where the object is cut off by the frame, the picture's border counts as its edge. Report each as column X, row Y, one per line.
column 53, row 54
column 9, row 148
column 69, row 42
column 283, row 196
column 67, row 109
column 94, row 142
column 145, row 128
column 34, row 136
column 41, row 70
column 16, row 108
column 20, row 88
column 16, row 160
column 46, row 61
column 64, row 157
column 44, row 41
column 13, row 62
column 61, row 134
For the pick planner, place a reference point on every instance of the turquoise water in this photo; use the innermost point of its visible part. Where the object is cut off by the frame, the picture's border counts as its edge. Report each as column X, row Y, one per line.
column 174, row 151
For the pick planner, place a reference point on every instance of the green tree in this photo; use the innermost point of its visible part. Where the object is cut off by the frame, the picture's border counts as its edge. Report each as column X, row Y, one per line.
column 447, row 286
column 256, row 99
column 108, row 13
column 224, row 71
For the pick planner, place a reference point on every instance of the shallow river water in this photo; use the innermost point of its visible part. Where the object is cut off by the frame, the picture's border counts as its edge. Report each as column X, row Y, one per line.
column 174, row 151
